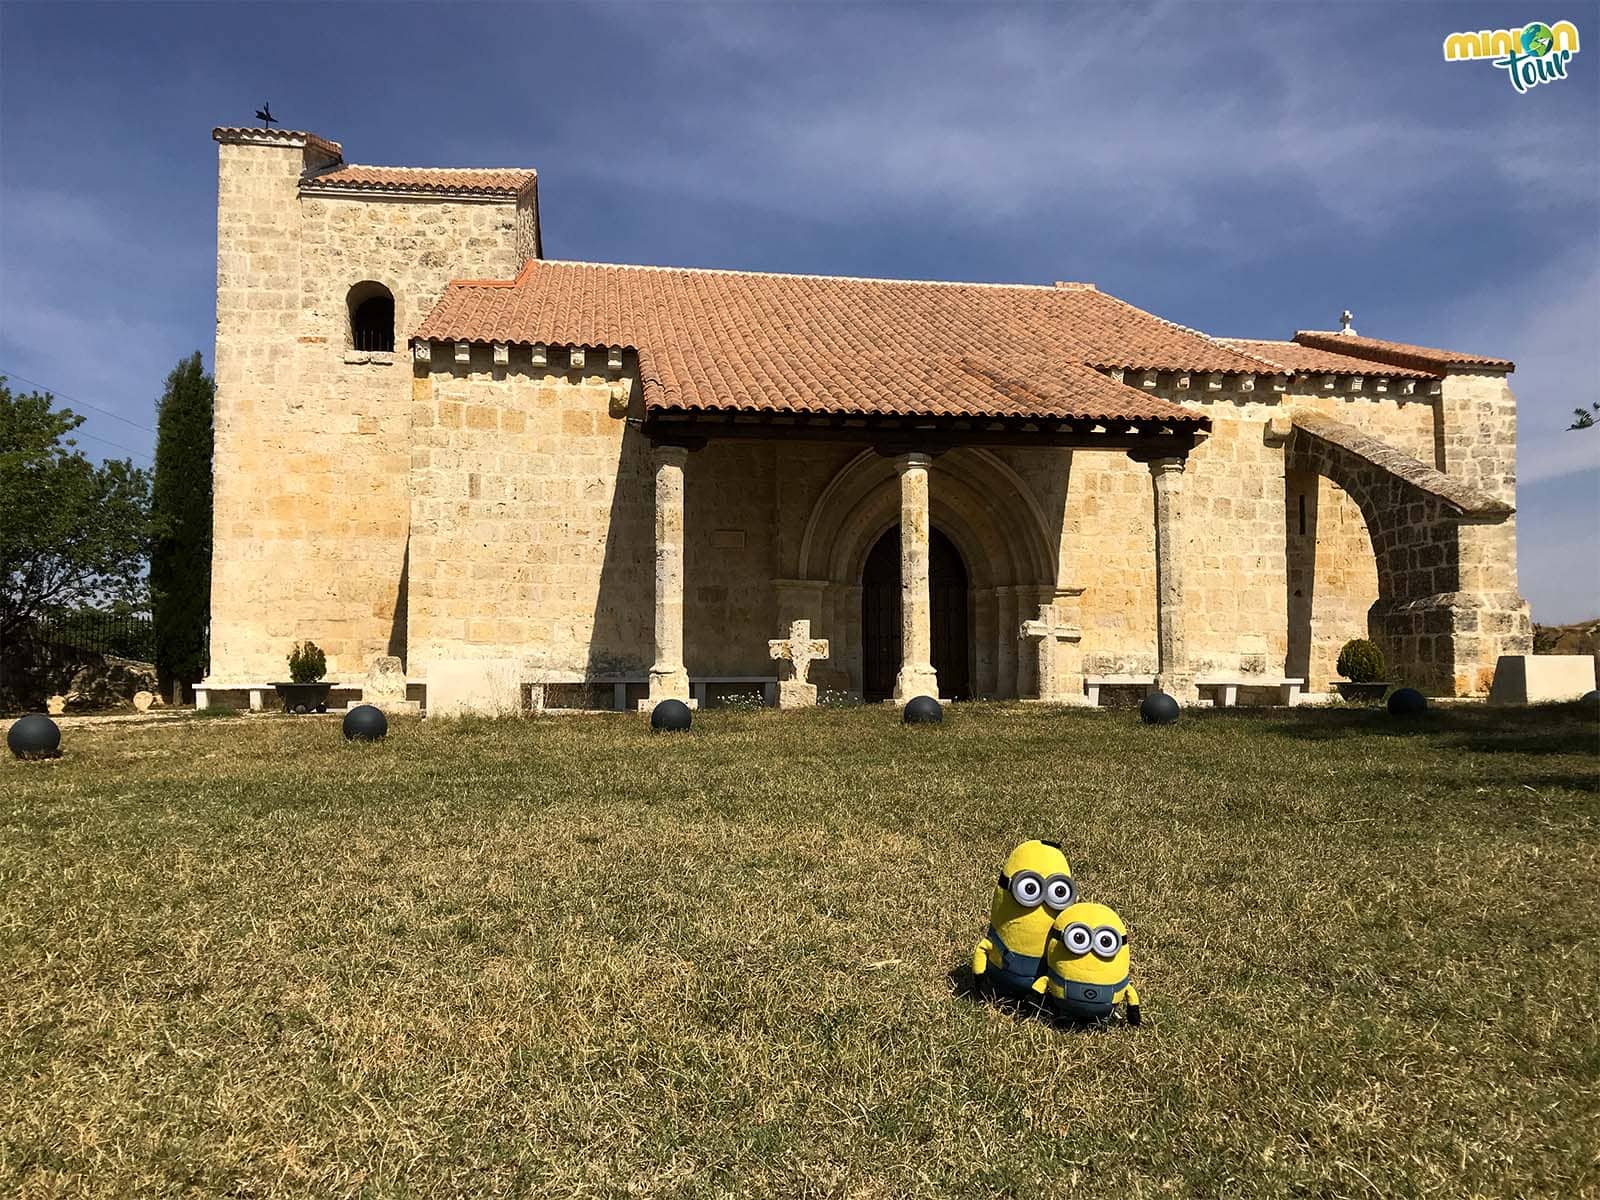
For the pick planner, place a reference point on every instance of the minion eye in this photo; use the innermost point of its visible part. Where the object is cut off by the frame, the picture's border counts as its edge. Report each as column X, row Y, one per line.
column 1077, row 938
column 1107, row 942
column 1027, row 889
column 1058, row 892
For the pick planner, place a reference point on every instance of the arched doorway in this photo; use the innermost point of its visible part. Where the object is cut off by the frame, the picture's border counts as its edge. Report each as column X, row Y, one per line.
column 880, row 617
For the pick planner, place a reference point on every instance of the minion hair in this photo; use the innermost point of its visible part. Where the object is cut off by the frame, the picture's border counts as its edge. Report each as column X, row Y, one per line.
column 1052, row 845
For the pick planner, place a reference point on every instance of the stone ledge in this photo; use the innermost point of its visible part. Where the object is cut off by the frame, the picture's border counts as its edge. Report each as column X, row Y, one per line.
column 1401, row 465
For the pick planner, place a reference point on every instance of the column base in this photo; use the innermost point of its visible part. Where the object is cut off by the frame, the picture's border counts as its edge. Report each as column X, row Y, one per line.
column 668, row 685
column 1062, row 701
column 1180, row 686
column 917, row 679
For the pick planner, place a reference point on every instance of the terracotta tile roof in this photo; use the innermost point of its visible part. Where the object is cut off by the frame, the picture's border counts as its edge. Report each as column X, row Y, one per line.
column 254, row 135
column 748, row 341
column 1397, row 353
column 1398, row 463
column 1293, row 357
column 344, row 177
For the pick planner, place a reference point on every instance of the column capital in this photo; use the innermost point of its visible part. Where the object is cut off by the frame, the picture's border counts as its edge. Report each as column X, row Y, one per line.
column 679, row 446
column 669, row 453
column 907, row 459
column 1164, row 465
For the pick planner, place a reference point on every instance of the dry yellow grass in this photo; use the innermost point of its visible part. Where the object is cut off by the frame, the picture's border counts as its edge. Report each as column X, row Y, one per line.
column 563, row 957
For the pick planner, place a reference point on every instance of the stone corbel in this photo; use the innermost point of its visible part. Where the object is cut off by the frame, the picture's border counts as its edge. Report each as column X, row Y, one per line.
column 617, row 398
column 1213, row 381
column 1116, row 374
column 1380, row 385
column 1183, row 381
column 1247, row 383
column 1408, row 387
column 1355, row 383
column 502, row 354
column 614, row 358
column 1280, row 383
column 1278, row 428
column 1150, row 379
column 1329, row 382
column 577, row 360
column 1434, row 388
column 541, row 354
column 422, row 352
column 463, row 352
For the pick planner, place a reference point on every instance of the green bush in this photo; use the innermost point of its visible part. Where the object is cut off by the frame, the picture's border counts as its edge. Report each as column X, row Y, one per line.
column 1360, row 661
column 307, row 663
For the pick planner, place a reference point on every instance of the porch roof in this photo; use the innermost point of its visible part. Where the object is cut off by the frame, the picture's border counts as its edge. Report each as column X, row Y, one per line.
column 738, row 342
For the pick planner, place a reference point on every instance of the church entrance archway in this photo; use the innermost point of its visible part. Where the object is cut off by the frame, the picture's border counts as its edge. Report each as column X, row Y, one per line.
column 880, row 616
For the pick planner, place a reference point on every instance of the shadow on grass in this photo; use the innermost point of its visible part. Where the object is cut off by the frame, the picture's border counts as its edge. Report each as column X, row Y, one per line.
column 1545, row 729
column 964, row 986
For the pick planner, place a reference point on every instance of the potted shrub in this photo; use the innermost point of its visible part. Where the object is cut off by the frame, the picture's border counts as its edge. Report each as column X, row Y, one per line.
column 1361, row 663
column 309, row 691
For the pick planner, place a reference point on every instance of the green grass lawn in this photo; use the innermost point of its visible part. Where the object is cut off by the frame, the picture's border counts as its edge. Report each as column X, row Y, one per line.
column 244, row 958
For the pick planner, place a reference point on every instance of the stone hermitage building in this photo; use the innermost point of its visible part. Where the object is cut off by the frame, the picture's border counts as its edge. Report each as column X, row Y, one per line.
column 436, row 444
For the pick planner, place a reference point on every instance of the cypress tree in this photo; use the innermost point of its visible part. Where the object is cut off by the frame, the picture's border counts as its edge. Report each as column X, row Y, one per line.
column 180, row 552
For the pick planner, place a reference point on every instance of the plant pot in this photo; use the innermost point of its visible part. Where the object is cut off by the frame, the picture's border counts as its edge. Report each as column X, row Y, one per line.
column 304, row 697
column 1362, row 693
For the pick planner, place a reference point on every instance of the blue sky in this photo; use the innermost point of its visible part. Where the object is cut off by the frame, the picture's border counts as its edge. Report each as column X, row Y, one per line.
column 1245, row 169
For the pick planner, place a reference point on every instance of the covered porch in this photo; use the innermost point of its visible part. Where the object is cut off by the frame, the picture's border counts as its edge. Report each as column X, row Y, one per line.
column 927, row 562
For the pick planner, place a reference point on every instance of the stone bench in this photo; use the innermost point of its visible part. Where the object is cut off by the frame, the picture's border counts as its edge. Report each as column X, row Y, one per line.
column 1228, row 687
column 1093, row 683
column 202, row 693
column 257, row 693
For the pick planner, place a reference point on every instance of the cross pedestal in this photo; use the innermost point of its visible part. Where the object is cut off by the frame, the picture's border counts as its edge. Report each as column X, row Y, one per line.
column 799, row 650
column 1060, row 670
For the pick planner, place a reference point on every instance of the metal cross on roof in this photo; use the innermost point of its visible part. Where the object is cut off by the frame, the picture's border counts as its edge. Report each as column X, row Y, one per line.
column 264, row 115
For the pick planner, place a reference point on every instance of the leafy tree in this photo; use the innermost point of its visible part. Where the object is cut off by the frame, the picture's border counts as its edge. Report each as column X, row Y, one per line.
column 71, row 533
column 1584, row 417
column 180, row 519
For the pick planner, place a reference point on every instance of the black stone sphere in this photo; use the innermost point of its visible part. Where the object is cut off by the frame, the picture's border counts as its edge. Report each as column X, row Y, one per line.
column 922, row 710
column 1407, row 702
column 1591, row 702
column 1158, row 708
column 35, row 736
column 670, row 716
column 365, row 723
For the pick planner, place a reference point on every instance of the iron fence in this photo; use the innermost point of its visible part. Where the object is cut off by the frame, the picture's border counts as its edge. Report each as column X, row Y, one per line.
column 126, row 635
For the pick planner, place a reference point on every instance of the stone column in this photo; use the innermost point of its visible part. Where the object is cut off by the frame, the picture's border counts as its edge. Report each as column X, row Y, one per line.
column 1173, row 675
column 848, row 656
column 669, row 679
column 1006, row 621
column 985, row 641
column 916, row 677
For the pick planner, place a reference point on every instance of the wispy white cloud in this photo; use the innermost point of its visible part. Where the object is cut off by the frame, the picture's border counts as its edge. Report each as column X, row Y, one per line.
column 1011, row 118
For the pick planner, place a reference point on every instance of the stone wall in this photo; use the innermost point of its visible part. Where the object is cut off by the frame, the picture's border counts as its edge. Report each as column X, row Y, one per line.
column 531, row 517
column 313, row 441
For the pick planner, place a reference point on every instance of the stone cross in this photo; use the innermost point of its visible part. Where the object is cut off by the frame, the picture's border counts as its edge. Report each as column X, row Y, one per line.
column 799, row 650
column 1051, row 632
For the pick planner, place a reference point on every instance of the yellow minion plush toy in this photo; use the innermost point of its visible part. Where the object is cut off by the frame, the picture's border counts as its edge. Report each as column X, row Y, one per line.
column 1086, row 965
column 1034, row 885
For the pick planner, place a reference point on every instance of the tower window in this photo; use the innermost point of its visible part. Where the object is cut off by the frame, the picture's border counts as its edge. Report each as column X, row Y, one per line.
column 371, row 317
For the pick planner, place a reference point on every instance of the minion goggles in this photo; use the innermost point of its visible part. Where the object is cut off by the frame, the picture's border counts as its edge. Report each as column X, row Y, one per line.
column 1080, row 939
column 1029, row 888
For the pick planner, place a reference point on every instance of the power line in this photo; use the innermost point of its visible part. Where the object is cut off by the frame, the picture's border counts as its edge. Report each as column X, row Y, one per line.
column 84, row 403
column 77, row 433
